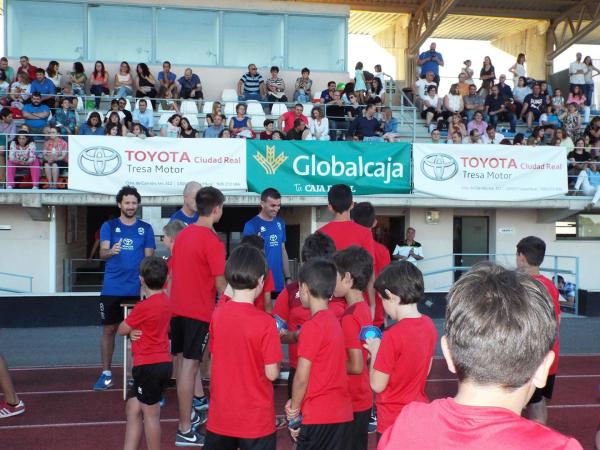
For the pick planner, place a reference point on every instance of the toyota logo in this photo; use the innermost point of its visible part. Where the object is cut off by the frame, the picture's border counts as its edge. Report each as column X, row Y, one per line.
column 99, row 161
column 439, row 166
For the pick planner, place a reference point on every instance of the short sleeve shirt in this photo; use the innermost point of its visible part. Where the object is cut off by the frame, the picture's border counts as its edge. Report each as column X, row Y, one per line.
column 430, row 66
column 403, row 249
column 161, row 76
column 189, row 84
column 180, row 215
column 348, row 233
column 252, row 83
column 31, row 108
column 536, row 102
column 554, row 294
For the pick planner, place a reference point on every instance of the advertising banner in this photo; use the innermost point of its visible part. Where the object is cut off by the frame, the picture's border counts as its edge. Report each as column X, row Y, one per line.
column 490, row 172
column 156, row 166
column 312, row 167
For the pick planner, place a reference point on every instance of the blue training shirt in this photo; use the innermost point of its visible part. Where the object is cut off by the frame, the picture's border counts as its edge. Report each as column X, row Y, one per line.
column 122, row 271
column 273, row 232
column 180, row 215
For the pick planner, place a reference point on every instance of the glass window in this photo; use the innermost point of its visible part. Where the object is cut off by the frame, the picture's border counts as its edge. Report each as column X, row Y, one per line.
column 588, row 226
column 318, row 43
column 117, row 33
column 35, row 27
column 252, row 38
column 201, row 37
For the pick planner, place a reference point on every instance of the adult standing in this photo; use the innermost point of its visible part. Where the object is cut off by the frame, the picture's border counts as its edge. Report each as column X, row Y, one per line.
column 589, row 81
column 409, row 249
column 188, row 213
column 272, row 229
column 124, row 242
column 577, row 71
column 431, row 61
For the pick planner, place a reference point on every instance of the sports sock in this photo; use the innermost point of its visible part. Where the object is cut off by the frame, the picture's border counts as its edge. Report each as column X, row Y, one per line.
column 108, row 373
column 200, row 398
column 12, row 404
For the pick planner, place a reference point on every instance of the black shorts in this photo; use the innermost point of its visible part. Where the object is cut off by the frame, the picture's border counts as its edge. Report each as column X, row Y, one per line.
column 536, row 113
column 335, row 436
column 218, row 442
column 546, row 391
column 189, row 337
column 360, row 430
column 111, row 312
column 149, row 382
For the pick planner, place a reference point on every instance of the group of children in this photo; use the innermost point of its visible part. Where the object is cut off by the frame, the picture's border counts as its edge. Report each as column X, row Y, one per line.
column 500, row 338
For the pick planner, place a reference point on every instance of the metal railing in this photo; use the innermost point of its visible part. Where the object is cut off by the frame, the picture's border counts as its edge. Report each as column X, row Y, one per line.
column 83, row 275
column 17, row 284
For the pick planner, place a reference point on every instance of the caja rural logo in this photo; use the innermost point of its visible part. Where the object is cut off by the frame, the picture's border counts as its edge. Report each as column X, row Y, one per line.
column 269, row 161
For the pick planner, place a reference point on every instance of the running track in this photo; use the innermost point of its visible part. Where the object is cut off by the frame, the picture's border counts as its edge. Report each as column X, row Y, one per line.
column 64, row 413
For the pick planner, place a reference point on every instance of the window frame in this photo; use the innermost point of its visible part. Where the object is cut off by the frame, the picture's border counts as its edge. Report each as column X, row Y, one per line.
column 575, row 218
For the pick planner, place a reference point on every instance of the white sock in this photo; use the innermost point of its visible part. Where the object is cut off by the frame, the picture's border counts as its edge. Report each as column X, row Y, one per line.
column 108, row 373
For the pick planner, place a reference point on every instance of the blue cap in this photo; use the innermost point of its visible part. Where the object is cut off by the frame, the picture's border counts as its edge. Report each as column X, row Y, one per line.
column 370, row 331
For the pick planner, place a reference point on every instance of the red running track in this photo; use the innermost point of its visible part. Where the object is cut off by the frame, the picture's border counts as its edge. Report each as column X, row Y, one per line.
column 64, row 413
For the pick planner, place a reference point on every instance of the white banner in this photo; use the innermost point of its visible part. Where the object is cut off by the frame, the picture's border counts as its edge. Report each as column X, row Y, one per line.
column 490, row 172
column 155, row 166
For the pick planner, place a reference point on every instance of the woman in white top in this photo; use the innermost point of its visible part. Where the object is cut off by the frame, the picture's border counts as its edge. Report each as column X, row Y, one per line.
column 432, row 105
column 519, row 93
column 588, row 90
column 518, row 69
column 123, row 84
column 172, row 128
column 54, row 75
column 468, row 72
column 318, row 125
column 453, row 102
column 20, row 90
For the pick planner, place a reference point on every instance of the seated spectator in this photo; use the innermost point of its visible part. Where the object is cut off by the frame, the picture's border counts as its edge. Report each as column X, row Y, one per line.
column 390, row 125
column 9, row 71
column 267, row 134
column 168, row 95
column 473, row 103
column 36, row 114
column 56, row 156
column 215, row 128
column 277, row 136
column 113, row 129
column 421, row 87
column 225, row 134
column 4, row 89
column 474, row 137
column 496, row 109
column 576, row 158
column 122, row 108
column 190, row 85
column 44, row 86
column 99, row 83
column 54, row 75
column 336, row 113
column 114, row 118
column 533, row 106
column 251, row 85
column 138, row 131
column 588, row 181
column 78, row 78
column 276, row 87
column 146, row 83
column 144, row 116
column 22, row 153
column 549, row 119
column 453, row 103
column 558, row 101
column 463, row 86
column 455, row 123
column 186, row 129
column 540, row 137
column 367, row 126
column 286, row 120
column 566, row 289
column 93, row 125
column 166, row 78
column 303, row 87
column 431, row 107
column 172, row 128
column 216, row 111
column 26, row 68
column 521, row 91
column 436, row 136
column 318, row 125
column 114, row 107
column 505, row 141
column 565, row 139
column 572, row 120
column 546, row 90
column 327, row 94
column 504, row 89
column 456, row 138
column 577, row 97
column 8, row 128
column 376, row 92
column 20, row 91
column 519, row 139
column 491, row 136
column 299, row 132
column 67, row 92
column 241, row 125
column 592, row 130
column 123, row 83
column 347, row 92
column 354, row 109
column 65, row 118
column 477, row 124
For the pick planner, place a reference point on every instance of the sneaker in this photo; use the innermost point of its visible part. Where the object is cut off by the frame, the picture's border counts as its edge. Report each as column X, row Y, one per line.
column 7, row 410
column 373, row 424
column 190, row 439
column 200, row 404
column 198, row 418
column 163, row 401
column 103, row 383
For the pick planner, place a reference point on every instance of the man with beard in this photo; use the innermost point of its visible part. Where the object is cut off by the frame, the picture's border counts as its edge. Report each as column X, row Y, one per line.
column 124, row 242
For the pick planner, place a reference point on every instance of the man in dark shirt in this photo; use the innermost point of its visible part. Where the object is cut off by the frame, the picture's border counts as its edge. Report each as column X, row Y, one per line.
column 327, row 94
column 336, row 113
column 504, row 89
column 367, row 125
column 496, row 110
column 533, row 105
column 299, row 132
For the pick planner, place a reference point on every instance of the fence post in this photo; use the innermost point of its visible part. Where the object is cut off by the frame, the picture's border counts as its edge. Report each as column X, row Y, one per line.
column 67, row 275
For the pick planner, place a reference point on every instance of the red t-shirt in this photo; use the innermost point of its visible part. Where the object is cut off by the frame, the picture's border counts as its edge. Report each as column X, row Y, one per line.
column 554, row 294
column 382, row 260
column 405, row 355
column 355, row 317
column 243, row 340
column 198, row 257
column 292, row 311
column 327, row 399
column 152, row 316
column 269, row 286
column 445, row 425
column 289, row 118
column 337, row 305
column 348, row 233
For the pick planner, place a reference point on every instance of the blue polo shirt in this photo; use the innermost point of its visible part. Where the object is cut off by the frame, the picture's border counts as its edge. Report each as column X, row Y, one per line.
column 31, row 108
column 122, row 271
column 273, row 233
column 161, row 75
column 180, row 215
column 45, row 88
column 430, row 66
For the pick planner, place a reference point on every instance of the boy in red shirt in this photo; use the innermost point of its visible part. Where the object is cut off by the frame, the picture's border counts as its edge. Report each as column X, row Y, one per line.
column 355, row 268
column 147, row 327
column 246, row 353
column 288, row 306
column 400, row 362
column 263, row 300
column 320, row 387
column 499, row 331
column 531, row 251
column 196, row 277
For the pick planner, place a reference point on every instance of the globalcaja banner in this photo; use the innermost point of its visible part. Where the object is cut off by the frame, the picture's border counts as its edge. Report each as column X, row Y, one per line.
column 156, row 166
column 312, row 167
column 490, row 172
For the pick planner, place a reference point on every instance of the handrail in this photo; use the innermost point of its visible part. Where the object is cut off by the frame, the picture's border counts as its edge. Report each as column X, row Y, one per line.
column 28, row 278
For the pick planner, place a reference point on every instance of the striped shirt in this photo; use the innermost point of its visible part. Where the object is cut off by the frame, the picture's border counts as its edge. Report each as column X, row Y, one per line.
column 252, row 83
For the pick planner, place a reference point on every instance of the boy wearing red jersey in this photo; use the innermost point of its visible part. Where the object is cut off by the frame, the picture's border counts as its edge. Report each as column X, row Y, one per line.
column 288, row 306
column 197, row 276
column 531, row 251
column 499, row 331
column 245, row 349
column 400, row 362
column 320, row 387
column 355, row 268
column 147, row 327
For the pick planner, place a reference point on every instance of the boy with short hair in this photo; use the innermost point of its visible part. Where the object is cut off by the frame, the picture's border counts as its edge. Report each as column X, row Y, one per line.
column 401, row 360
column 531, row 251
column 355, row 268
column 170, row 232
column 263, row 301
column 320, row 387
column 147, row 327
column 499, row 331
column 245, row 361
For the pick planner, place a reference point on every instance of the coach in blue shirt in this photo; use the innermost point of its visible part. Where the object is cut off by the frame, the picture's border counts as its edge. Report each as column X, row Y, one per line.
column 188, row 213
column 44, row 86
column 431, row 61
